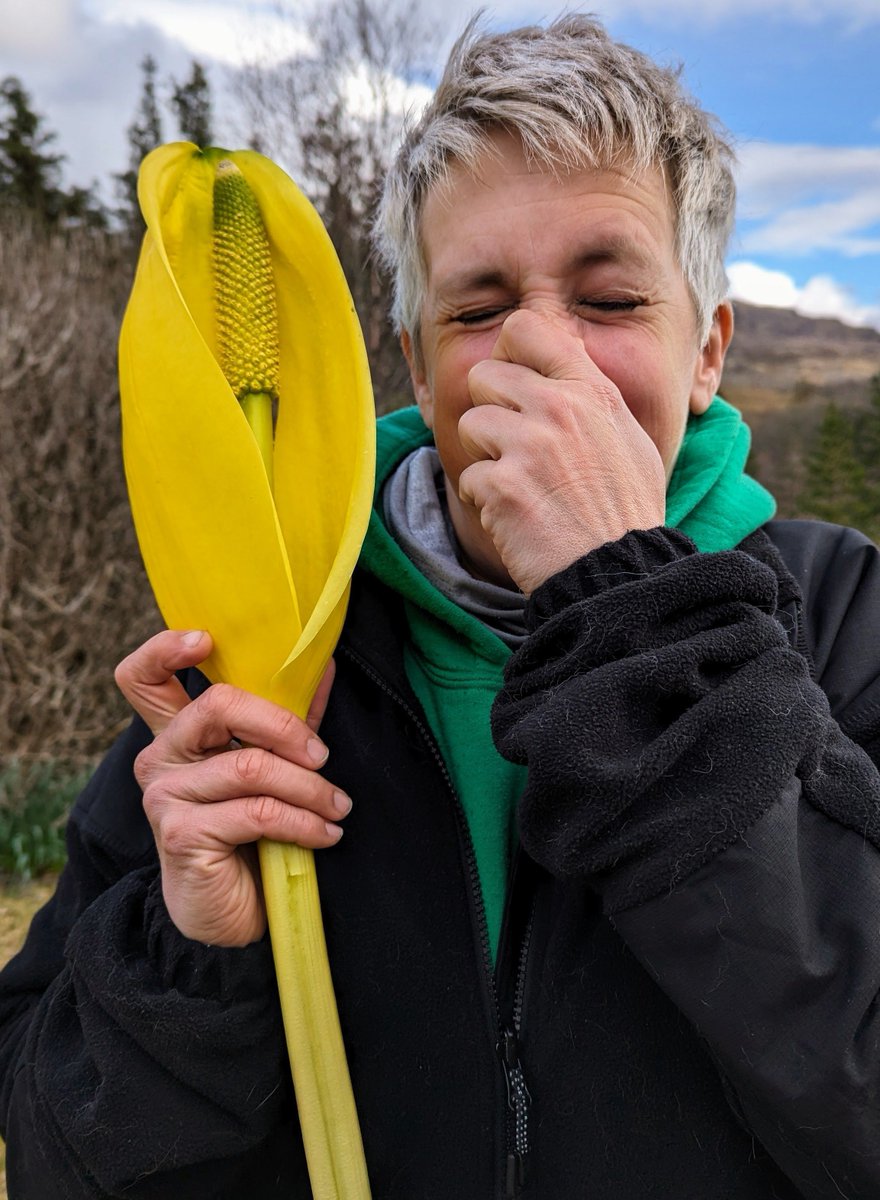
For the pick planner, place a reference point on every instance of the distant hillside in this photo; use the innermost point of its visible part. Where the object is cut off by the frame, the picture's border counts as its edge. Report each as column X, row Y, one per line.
column 778, row 358
column 782, row 371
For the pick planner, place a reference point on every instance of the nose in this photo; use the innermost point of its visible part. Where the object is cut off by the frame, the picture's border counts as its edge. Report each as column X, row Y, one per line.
column 554, row 307
column 557, row 313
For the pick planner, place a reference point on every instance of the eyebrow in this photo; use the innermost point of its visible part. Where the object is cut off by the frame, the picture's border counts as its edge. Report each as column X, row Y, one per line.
column 608, row 250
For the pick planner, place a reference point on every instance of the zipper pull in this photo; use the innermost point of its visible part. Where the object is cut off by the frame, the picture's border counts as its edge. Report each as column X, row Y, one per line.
column 518, row 1101
column 515, row 1177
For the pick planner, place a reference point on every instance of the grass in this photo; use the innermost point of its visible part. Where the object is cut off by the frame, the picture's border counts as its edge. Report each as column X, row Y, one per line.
column 34, row 802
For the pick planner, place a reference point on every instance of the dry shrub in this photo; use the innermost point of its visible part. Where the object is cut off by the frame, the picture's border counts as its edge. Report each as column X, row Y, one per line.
column 73, row 594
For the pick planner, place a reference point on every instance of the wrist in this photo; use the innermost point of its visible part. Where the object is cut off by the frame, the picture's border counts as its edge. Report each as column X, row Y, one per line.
column 637, row 554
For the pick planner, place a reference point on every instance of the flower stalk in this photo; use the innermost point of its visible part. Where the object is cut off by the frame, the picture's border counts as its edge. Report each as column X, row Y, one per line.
column 239, row 307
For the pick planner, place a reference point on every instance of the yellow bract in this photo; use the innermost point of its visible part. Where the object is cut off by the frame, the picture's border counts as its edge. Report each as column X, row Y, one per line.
column 266, row 575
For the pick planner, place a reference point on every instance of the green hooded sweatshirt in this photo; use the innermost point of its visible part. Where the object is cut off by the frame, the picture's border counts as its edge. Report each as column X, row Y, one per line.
column 455, row 663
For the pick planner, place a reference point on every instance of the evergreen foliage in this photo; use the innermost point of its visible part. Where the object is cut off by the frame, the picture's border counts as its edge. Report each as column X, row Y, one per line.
column 144, row 134
column 867, row 445
column 191, row 103
column 30, row 173
column 837, row 487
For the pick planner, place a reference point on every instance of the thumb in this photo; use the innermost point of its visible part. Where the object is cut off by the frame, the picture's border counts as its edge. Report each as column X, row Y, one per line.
column 147, row 676
column 545, row 342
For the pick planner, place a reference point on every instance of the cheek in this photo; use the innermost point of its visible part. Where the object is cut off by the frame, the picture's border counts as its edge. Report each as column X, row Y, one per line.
column 654, row 387
column 662, row 415
column 452, row 396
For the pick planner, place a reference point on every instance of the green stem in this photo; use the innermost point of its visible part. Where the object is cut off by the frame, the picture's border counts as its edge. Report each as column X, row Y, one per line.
column 257, row 407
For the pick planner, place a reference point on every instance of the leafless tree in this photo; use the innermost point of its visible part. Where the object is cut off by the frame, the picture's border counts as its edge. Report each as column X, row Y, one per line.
column 73, row 595
column 332, row 114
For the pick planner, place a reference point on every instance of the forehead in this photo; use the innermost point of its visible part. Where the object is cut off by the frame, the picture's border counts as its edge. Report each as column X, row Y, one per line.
column 508, row 203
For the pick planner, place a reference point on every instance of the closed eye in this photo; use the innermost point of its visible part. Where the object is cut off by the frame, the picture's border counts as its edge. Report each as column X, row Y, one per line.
column 489, row 314
column 484, row 314
column 609, row 305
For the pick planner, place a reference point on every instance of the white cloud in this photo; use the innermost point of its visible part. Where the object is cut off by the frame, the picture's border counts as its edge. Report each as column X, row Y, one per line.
column 226, row 32
column 32, row 27
column 807, row 198
column 366, row 94
column 774, row 173
column 855, row 13
column 820, row 296
column 757, row 285
column 87, row 88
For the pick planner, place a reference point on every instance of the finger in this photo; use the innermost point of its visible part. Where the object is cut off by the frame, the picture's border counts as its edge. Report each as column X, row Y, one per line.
column 475, row 483
column 541, row 341
column 249, row 772
column 188, row 830
column 503, row 384
column 147, row 676
column 224, row 713
column 486, row 431
column 322, row 694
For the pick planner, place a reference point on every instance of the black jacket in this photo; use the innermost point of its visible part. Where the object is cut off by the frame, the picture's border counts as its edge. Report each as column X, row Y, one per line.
column 685, row 1002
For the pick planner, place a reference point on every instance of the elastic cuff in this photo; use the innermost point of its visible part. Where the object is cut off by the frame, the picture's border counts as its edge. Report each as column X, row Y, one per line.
column 637, row 554
column 220, row 972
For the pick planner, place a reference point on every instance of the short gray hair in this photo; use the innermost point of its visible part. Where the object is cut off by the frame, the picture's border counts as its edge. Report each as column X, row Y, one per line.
column 577, row 100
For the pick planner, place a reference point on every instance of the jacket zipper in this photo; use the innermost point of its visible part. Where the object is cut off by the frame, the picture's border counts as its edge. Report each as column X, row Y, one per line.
column 518, row 1096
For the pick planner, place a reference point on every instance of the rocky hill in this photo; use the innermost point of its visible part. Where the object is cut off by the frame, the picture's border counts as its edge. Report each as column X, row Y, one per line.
column 779, row 358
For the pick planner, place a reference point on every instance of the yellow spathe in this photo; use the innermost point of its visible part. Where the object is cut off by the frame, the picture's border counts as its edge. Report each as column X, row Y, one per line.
column 267, row 575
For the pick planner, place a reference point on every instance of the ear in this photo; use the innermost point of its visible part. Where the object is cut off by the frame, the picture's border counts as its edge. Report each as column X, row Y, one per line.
column 710, row 360
column 421, row 388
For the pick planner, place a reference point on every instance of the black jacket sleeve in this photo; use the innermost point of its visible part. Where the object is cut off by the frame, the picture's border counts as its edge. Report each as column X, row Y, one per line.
column 684, row 763
column 120, row 1038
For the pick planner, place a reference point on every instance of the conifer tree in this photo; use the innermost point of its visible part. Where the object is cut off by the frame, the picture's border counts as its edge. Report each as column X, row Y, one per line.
column 302, row 112
column 191, row 103
column 29, row 173
column 868, row 451
column 144, row 134
column 836, row 487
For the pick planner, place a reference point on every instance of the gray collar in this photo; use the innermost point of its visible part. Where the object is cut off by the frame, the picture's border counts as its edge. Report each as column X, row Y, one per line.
column 417, row 517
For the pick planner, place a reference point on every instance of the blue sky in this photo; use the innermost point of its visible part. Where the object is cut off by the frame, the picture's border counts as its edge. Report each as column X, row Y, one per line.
column 800, row 93
column 795, row 81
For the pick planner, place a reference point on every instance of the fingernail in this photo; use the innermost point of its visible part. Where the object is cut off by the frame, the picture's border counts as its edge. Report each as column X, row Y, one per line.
column 335, row 831
column 341, row 803
column 317, row 751
column 193, row 637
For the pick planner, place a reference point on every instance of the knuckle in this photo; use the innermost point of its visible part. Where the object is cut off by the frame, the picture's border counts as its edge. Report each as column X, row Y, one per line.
column 287, row 724
column 217, row 699
column 174, row 835
column 144, row 768
column 607, row 394
column 263, row 810
column 249, row 765
column 216, row 711
column 122, row 674
column 155, row 801
column 507, row 481
column 152, row 806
